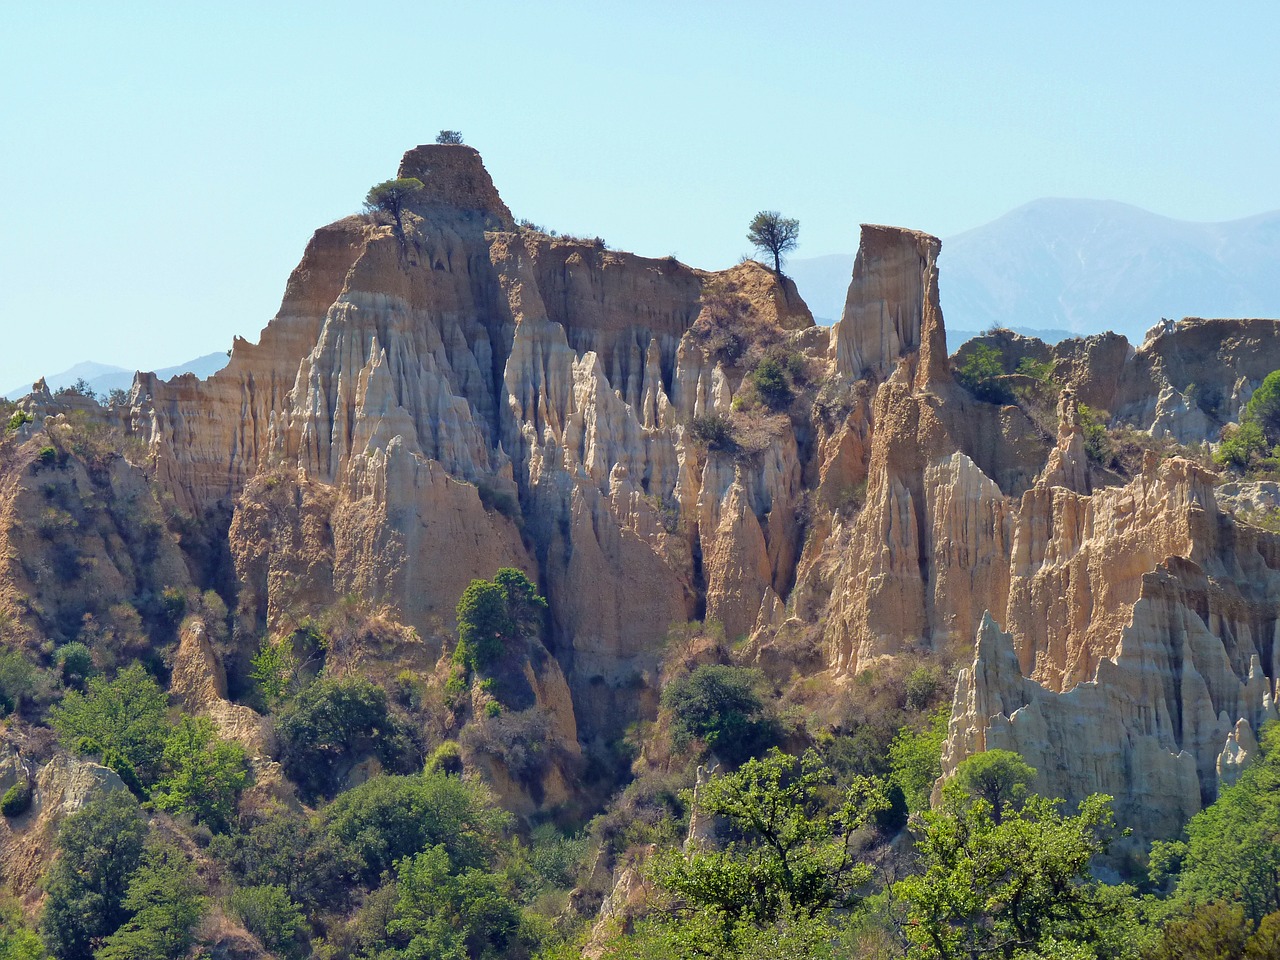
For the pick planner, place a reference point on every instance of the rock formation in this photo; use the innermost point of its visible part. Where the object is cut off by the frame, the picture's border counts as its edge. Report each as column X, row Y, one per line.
column 452, row 393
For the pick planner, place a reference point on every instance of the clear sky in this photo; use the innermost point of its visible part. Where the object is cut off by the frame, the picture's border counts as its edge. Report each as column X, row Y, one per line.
column 163, row 164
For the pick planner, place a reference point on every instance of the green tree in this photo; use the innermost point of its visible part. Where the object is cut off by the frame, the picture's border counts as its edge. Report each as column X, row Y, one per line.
column 333, row 724
column 915, row 759
column 388, row 818
column 790, row 862
column 123, row 720
column 292, row 851
column 774, row 234
column 99, row 847
column 1012, row 888
column 19, row 682
column 1231, row 852
column 980, row 371
column 484, row 625
column 204, row 774
column 449, row 136
column 1263, row 407
column 270, row 915
column 444, row 912
column 721, row 706
column 493, row 613
column 1000, row 777
column 390, row 196
column 274, row 668
column 164, row 898
column 17, row 940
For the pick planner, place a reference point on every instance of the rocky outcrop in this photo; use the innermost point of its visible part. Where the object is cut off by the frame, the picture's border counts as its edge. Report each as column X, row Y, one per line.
column 450, row 393
column 60, row 787
column 1190, row 378
column 199, row 685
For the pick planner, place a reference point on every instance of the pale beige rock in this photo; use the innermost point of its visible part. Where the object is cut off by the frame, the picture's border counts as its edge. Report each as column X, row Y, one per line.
column 199, row 684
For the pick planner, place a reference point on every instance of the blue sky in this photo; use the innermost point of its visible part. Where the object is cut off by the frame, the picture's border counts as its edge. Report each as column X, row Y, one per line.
column 164, row 164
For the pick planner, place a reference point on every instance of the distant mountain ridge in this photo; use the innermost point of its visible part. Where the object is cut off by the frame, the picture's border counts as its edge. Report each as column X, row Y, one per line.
column 1086, row 266
column 102, row 378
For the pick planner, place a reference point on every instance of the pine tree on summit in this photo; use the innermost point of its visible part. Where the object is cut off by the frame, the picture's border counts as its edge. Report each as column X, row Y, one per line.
column 774, row 234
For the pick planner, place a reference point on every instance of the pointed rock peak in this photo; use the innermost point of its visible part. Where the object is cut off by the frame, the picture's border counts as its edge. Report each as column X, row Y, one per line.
column 891, row 309
column 994, row 647
column 453, row 175
column 1069, row 424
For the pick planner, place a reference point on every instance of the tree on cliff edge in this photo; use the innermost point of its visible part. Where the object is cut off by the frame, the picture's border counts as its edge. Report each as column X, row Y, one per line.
column 390, row 197
column 775, row 234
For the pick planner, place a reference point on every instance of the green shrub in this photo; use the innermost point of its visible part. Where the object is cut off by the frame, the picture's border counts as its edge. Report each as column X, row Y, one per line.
column 721, row 706
column 915, row 758
column 124, row 719
column 270, row 915
column 492, row 613
column 388, row 818
column 332, row 725
column 493, row 709
column 447, row 759
column 981, row 371
column 75, row 664
column 19, row 418
column 19, row 681
column 204, row 774
column 1097, row 441
column 100, row 847
column 921, row 687
column 47, row 456
column 17, row 799
column 771, row 384
column 274, row 668
column 713, row 430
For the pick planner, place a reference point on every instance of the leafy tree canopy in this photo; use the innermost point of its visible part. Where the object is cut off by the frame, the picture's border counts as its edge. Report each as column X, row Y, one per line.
column 493, row 613
column 388, row 818
column 774, row 234
column 99, row 847
column 123, row 720
column 721, row 706
column 204, row 774
column 1020, row 886
column 1230, row 852
column 333, row 724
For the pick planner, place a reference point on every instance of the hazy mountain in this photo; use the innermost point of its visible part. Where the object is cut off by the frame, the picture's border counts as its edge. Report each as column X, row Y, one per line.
column 1087, row 266
column 103, row 378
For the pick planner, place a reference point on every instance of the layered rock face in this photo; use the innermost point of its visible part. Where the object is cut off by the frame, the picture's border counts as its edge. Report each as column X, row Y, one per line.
column 451, row 394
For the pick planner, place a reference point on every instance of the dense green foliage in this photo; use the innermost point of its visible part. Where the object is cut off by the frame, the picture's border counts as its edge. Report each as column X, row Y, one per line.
column 1253, row 442
column 714, row 430
column 99, row 848
column 389, row 818
column 494, row 613
column 164, row 899
column 270, row 915
column 274, row 668
column 1000, row 777
column 17, row 940
column 1018, row 885
column 204, row 774
column 721, row 706
column 771, row 384
column 915, row 758
column 17, row 799
column 1231, row 851
column 981, row 372
column 333, row 724
column 123, row 720
column 791, row 862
